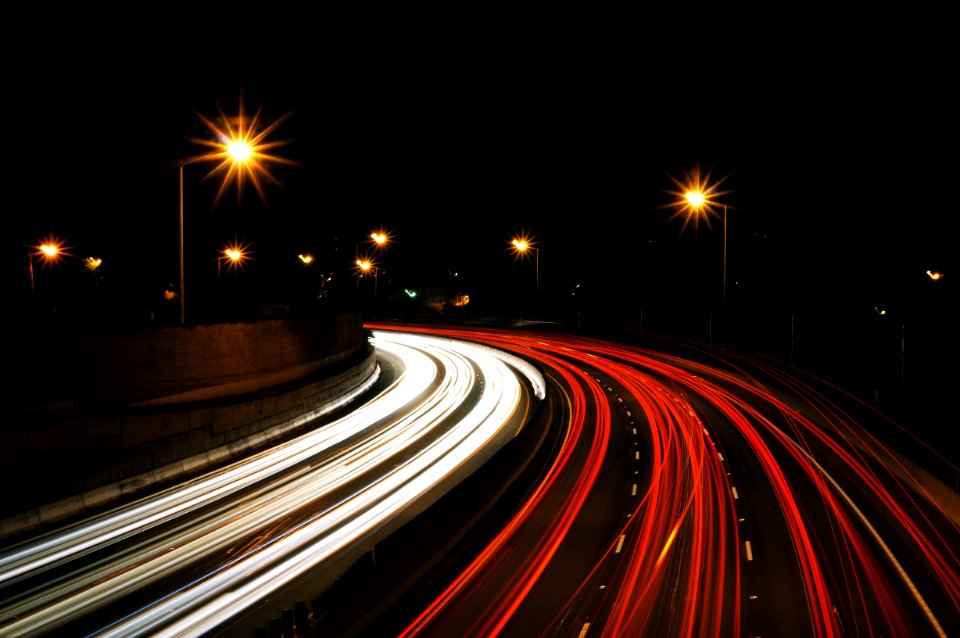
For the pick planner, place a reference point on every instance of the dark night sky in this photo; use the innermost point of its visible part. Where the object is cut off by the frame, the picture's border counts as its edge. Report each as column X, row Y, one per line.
column 839, row 164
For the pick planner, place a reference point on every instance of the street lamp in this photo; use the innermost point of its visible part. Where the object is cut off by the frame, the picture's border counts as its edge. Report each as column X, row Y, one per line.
column 364, row 266
column 237, row 152
column 306, row 259
column 50, row 251
column 379, row 238
column 521, row 245
column 241, row 153
column 697, row 200
column 235, row 254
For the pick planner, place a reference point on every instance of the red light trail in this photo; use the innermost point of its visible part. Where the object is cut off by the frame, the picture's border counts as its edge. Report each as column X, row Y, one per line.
column 874, row 552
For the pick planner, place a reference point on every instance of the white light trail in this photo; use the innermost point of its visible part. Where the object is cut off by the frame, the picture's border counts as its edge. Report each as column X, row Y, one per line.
column 412, row 419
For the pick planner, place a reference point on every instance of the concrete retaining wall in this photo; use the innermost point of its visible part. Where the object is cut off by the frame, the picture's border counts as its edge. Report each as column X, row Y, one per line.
column 174, row 363
column 128, row 408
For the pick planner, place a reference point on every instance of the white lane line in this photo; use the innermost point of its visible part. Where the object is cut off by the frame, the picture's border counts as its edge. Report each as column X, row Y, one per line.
column 749, row 551
column 583, row 630
column 628, row 413
column 720, row 456
column 633, row 492
column 620, row 543
column 634, row 431
column 735, row 495
column 636, row 455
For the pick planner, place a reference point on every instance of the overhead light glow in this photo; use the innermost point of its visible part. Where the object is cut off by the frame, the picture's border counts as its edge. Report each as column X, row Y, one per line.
column 240, row 150
column 696, row 197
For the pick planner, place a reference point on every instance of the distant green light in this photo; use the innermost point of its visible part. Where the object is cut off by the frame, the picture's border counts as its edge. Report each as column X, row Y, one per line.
column 410, row 293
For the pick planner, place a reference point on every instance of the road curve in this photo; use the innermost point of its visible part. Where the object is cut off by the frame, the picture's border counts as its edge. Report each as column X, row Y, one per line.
column 190, row 559
column 691, row 492
column 754, row 503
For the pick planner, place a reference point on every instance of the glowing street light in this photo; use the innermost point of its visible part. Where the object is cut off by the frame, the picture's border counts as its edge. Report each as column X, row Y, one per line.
column 241, row 153
column 307, row 259
column 934, row 275
column 234, row 255
column 379, row 238
column 92, row 263
column 696, row 201
column 521, row 245
column 50, row 250
column 239, row 150
column 696, row 198
column 364, row 266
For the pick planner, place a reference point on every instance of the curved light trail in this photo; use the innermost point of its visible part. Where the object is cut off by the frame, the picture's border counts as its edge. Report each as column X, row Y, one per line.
column 451, row 406
column 708, row 494
column 816, row 518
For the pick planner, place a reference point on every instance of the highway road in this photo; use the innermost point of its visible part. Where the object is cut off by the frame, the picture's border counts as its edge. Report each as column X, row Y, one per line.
column 729, row 498
column 669, row 491
column 194, row 558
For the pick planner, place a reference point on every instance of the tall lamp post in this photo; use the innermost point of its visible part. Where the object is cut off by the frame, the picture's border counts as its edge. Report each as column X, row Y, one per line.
column 379, row 239
column 234, row 151
column 240, row 154
column 521, row 245
column 50, row 251
column 697, row 201
column 364, row 266
column 181, row 287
